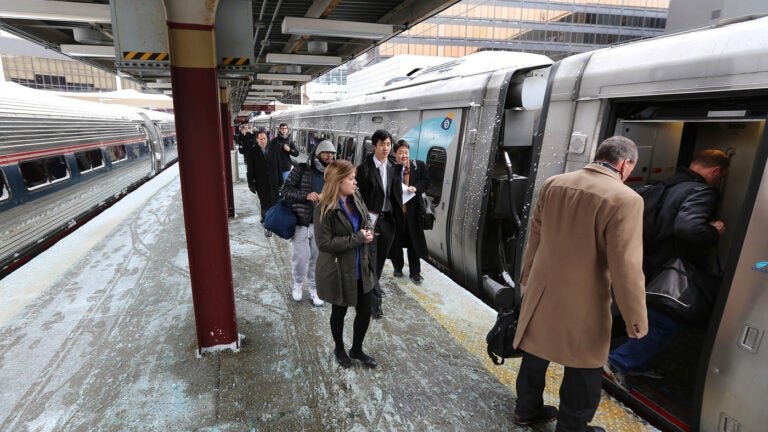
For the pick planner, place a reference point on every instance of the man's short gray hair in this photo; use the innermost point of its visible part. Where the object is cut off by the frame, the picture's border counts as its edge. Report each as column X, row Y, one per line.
column 615, row 149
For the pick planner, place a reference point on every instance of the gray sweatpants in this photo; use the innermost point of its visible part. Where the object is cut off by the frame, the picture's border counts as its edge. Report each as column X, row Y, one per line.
column 304, row 255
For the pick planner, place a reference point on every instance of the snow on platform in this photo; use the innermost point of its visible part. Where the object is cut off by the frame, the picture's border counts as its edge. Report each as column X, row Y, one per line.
column 98, row 333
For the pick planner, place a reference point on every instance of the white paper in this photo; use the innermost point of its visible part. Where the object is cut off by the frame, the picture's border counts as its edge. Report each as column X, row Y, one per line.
column 407, row 195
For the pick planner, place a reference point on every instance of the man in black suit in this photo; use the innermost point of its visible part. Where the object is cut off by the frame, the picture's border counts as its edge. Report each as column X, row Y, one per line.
column 379, row 181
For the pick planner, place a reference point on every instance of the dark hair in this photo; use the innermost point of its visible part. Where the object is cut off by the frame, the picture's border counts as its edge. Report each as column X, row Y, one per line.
column 380, row 135
column 282, row 124
column 262, row 132
column 712, row 158
column 615, row 149
column 402, row 143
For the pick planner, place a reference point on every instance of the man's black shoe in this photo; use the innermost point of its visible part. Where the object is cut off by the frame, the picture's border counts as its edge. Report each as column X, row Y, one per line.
column 377, row 313
column 417, row 278
column 547, row 413
column 364, row 358
column 397, row 273
column 342, row 358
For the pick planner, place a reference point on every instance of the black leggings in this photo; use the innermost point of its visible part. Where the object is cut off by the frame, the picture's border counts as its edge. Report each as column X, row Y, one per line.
column 362, row 320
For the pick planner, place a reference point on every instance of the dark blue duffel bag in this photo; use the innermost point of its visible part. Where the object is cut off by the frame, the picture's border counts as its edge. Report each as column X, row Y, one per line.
column 280, row 219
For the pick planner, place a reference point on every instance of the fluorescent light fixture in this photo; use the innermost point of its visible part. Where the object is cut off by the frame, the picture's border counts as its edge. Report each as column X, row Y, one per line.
column 283, row 77
column 335, row 28
column 319, row 60
column 55, row 11
column 734, row 113
column 88, row 50
column 168, row 92
column 159, row 85
column 267, row 94
column 271, row 87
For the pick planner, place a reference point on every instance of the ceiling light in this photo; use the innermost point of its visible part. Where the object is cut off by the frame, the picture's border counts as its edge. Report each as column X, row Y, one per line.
column 55, row 11
column 159, row 85
column 283, row 77
column 267, row 94
column 88, row 50
column 304, row 59
column 271, row 87
column 335, row 28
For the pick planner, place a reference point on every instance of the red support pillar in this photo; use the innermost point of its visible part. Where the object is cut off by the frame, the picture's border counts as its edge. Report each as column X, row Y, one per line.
column 226, row 133
column 201, row 166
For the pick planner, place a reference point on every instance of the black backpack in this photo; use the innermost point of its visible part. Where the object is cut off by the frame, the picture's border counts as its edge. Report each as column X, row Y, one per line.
column 501, row 337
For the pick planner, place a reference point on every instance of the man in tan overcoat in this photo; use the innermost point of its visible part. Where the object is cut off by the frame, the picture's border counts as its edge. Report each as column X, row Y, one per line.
column 585, row 238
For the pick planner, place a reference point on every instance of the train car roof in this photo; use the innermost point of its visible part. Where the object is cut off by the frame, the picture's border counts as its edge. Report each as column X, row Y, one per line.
column 718, row 58
column 17, row 100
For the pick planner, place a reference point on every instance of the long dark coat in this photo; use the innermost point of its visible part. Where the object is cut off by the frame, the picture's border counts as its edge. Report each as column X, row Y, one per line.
column 336, row 269
column 586, row 237
column 418, row 179
column 267, row 177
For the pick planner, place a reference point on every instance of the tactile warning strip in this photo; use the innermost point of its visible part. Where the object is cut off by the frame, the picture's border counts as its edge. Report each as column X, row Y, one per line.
column 468, row 320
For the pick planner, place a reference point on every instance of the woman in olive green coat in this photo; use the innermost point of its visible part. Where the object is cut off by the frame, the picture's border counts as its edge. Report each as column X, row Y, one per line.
column 343, row 272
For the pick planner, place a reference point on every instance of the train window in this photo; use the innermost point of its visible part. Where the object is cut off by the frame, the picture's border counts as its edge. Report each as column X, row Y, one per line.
column 367, row 147
column 340, row 147
column 89, row 160
column 117, row 153
column 436, row 158
column 41, row 172
column 311, row 141
column 351, row 147
column 5, row 191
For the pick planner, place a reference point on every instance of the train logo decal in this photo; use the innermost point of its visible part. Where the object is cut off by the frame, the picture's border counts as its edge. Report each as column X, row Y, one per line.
column 761, row 267
column 432, row 132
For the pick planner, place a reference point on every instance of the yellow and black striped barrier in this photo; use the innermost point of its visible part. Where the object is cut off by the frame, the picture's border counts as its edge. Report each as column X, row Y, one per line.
column 235, row 61
column 136, row 55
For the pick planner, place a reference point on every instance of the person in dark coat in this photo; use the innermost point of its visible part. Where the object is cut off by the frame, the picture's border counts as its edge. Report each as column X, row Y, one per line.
column 287, row 148
column 411, row 234
column 302, row 188
column 344, row 273
column 266, row 172
column 686, row 228
column 247, row 147
column 379, row 182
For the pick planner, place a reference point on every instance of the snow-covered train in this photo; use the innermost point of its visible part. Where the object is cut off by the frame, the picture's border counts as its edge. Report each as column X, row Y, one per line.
column 62, row 160
column 673, row 95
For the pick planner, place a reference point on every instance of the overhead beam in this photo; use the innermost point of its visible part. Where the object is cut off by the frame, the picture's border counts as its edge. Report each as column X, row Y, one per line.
column 318, row 60
column 55, row 11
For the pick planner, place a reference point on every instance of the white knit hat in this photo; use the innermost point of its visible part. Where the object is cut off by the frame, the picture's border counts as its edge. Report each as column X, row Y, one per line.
column 325, row 146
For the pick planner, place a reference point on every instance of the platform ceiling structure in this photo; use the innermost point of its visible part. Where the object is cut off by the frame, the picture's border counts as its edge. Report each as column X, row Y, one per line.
column 265, row 47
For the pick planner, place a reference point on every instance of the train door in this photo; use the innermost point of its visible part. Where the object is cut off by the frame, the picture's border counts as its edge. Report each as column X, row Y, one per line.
column 435, row 140
column 684, row 374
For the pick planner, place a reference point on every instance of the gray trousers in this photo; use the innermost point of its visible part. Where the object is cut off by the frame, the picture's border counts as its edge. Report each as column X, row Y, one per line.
column 304, row 255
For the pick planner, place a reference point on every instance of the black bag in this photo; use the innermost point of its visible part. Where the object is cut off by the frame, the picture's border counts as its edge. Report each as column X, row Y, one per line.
column 426, row 216
column 683, row 293
column 502, row 335
column 280, row 219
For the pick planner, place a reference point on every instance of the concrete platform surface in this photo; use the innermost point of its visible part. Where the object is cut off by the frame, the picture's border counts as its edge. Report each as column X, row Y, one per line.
column 98, row 334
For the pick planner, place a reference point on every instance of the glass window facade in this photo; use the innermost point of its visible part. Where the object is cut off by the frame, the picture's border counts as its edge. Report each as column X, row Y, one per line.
column 60, row 75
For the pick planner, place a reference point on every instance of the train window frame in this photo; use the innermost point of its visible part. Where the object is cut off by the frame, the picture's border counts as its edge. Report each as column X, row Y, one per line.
column 113, row 157
column 312, row 141
column 89, row 155
column 340, row 140
column 5, row 190
column 349, row 152
column 367, row 147
column 435, row 190
column 43, row 167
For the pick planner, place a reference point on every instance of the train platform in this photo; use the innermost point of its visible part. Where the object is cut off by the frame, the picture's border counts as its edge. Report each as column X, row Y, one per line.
column 98, row 333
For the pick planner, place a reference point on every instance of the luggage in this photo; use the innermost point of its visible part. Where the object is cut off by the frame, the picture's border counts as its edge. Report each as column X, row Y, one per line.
column 280, row 219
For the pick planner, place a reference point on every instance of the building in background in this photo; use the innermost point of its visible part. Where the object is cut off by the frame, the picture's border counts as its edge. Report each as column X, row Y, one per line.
column 688, row 14
column 35, row 66
column 555, row 28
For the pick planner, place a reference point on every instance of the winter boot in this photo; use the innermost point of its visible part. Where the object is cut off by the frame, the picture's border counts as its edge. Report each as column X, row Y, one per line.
column 296, row 293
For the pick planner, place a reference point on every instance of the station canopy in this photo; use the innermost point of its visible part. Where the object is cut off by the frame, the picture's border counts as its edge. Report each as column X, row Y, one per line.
column 272, row 45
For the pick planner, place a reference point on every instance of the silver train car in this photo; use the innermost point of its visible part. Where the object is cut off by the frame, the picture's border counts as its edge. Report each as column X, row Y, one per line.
column 62, row 160
column 673, row 95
